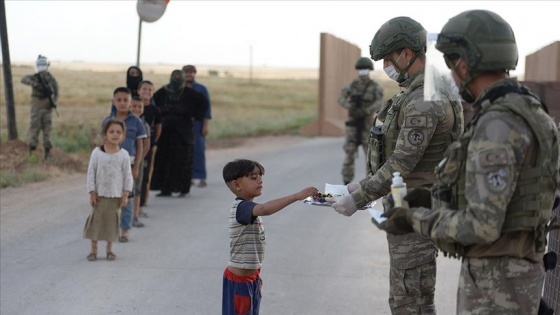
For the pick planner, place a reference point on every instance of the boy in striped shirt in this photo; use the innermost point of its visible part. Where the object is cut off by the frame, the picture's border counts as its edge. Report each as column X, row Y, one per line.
column 241, row 282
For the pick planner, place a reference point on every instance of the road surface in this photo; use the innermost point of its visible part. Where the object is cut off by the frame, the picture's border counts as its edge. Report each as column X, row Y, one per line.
column 317, row 262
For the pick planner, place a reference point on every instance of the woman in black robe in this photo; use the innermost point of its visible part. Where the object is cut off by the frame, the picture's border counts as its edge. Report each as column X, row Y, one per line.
column 173, row 162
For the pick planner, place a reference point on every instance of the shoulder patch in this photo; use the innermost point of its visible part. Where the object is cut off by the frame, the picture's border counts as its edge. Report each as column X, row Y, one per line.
column 493, row 157
column 416, row 121
column 497, row 181
column 415, row 137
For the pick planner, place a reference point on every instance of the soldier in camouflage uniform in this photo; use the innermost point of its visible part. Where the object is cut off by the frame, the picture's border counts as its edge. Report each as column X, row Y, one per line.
column 496, row 185
column 410, row 137
column 362, row 98
column 44, row 93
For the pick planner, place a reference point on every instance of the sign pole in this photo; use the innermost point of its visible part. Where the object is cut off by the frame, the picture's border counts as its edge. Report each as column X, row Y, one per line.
column 139, row 40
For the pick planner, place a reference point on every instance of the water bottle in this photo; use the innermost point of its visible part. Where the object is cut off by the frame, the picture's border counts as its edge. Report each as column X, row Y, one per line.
column 398, row 190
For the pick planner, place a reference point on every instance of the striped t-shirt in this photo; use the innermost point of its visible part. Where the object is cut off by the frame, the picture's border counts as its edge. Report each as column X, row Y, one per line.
column 246, row 235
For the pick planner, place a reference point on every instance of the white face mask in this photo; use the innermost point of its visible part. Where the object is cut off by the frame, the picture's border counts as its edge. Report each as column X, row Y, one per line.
column 391, row 72
column 363, row 72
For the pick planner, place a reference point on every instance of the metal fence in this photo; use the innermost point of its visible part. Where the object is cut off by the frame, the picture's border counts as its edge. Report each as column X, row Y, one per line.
column 551, row 292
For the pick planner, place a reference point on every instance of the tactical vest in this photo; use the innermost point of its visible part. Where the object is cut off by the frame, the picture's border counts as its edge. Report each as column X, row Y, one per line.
column 383, row 139
column 531, row 203
column 39, row 90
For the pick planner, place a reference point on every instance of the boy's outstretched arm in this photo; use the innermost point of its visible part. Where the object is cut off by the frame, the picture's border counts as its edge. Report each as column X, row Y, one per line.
column 276, row 205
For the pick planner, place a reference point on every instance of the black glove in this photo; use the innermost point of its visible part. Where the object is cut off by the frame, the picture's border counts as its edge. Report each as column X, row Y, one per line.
column 398, row 221
column 419, row 197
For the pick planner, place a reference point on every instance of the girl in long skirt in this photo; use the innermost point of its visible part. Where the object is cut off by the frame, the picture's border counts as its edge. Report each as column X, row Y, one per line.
column 109, row 181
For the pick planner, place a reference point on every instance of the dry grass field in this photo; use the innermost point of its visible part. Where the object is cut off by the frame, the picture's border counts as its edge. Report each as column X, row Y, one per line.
column 245, row 102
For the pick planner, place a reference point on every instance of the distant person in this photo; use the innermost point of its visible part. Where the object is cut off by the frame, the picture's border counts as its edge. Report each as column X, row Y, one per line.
column 133, row 79
column 133, row 144
column 179, row 106
column 137, row 108
column 109, row 181
column 152, row 117
column 44, row 95
column 362, row 98
column 200, row 129
column 241, row 281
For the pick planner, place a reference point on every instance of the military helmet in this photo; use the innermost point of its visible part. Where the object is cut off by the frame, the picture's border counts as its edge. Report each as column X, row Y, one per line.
column 42, row 63
column 364, row 63
column 397, row 33
column 482, row 38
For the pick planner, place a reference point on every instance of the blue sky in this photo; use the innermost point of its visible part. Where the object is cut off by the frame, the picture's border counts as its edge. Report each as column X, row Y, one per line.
column 281, row 33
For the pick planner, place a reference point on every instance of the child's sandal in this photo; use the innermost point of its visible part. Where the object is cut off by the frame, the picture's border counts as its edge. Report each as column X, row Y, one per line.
column 111, row 256
column 92, row 257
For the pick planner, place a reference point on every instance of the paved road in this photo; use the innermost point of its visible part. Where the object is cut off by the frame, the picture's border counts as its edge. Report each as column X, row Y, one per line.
column 317, row 261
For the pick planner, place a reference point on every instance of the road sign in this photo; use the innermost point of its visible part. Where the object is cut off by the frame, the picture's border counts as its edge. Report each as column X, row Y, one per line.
column 151, row 10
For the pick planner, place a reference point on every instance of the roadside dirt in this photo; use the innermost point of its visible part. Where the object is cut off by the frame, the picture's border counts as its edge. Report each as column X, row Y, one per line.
column 14, row 155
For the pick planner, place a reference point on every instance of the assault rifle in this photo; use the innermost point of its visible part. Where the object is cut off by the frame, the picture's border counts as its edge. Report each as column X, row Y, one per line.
column 50, row 94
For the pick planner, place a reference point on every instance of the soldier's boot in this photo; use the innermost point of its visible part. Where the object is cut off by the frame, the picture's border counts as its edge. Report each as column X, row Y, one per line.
column 47, row 154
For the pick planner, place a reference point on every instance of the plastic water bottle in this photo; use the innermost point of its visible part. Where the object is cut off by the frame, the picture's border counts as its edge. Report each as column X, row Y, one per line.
column 398, row 190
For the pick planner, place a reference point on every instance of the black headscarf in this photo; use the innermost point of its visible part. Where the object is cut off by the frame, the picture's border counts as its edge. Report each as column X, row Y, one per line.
column 176, row 81
column 132, row 82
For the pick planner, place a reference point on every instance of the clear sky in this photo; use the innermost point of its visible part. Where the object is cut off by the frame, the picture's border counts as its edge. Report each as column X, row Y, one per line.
column 281, row 33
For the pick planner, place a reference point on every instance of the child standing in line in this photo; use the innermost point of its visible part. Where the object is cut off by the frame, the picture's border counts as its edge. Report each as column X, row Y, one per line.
column 109, row 181
column 137, row 108
column 241, row 281
column 133, row 144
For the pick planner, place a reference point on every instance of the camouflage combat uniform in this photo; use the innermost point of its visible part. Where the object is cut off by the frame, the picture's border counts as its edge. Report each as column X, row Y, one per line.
column 414, row 136
column 494, row 195
column 362, row 99
column 41, row 110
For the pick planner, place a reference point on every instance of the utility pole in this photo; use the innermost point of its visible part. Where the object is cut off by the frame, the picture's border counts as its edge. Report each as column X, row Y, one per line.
column 139, row 38
column 7, row 67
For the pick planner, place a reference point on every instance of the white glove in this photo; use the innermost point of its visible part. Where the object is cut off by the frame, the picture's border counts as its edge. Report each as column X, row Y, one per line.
column 345, row 205
column 353, row 187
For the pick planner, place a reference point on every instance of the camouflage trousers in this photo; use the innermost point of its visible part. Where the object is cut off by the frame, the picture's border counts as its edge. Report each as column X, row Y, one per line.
column 41, row 119
column 501, row 285
column 351, row 144
column 412, row 276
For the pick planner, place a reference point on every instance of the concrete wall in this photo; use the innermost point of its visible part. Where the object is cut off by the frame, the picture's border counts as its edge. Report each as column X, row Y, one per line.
column 544, row 65
column 337, row 61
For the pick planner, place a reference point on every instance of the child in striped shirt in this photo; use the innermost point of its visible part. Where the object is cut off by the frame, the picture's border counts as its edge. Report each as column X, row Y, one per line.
column 241, row 281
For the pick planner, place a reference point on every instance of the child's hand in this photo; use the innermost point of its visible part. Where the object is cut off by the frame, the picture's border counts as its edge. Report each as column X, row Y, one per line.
column 93, row 199
column 124, row 201
column 306, row 192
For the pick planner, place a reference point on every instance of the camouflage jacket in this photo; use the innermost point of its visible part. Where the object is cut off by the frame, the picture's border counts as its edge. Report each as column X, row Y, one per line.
column 38, row 90
column 504, row 168
column 370, row 96
column 416, row 122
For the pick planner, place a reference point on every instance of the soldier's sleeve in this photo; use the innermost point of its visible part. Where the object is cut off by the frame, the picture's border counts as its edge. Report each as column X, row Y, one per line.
column 30, row 80
column 498, row 147
column 419, row 124
column 343, row 98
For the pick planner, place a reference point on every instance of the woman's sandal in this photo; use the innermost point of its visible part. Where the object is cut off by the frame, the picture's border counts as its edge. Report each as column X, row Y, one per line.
column 123, row 239
column 92, row 257
column 111, row 256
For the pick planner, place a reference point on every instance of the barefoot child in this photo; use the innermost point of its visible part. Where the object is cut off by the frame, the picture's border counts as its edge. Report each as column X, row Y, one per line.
column 109, row 181
column 241, row 281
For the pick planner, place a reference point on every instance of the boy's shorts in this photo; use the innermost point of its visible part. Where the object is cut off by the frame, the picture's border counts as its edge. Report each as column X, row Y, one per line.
column 241, row 295
column 138, row 181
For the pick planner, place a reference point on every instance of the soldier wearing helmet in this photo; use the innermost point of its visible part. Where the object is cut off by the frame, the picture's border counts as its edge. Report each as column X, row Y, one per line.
column 410, row 136
column 496, row 185
column 44, row 95
column 362, row 98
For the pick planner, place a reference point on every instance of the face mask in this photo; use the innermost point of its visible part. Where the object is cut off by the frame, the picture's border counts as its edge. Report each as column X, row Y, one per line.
column 391, row 72
column 42, row 68
column 363, row 72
